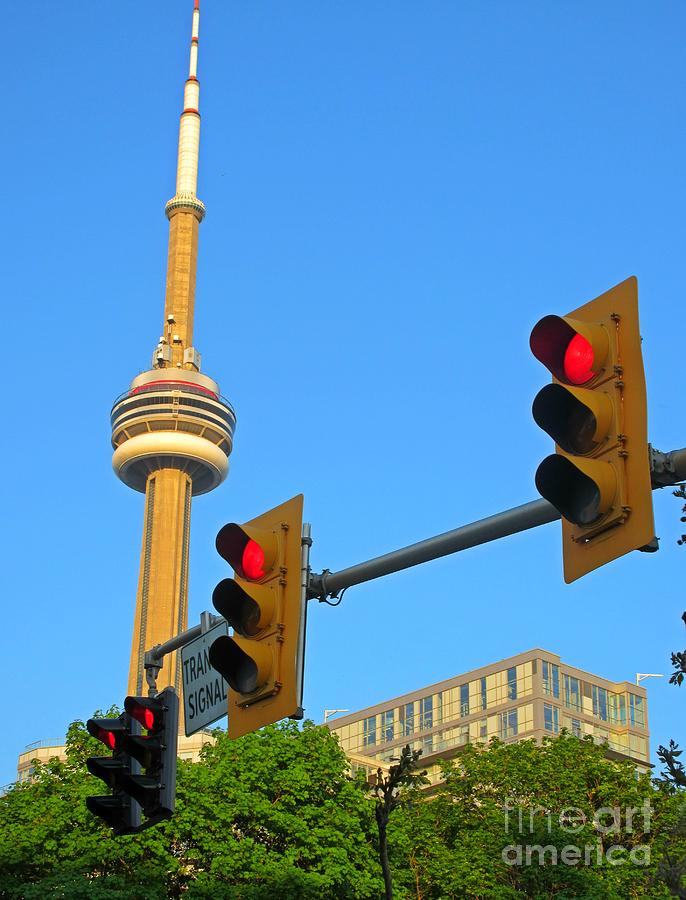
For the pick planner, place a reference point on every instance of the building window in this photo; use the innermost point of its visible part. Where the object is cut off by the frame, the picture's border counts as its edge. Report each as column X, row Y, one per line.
column 369, row 731
column 636, row 716
column 618, row 708
column 551, row 718
column 463, row 735
column 438, row 712
column 512, row 683
column 576, row 727
column 600, row 702
column 572, row 692
column 484, row 698
column 408, row 722
column 551, row 678
column 483, row 728
column 508, row 724
column 464, row 699
column 387, row 725
column 426, row 712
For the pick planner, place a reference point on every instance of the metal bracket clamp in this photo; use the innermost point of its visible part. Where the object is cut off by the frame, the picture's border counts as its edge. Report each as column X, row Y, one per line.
column 663, row 471
column 316, row 589
column 152, row 664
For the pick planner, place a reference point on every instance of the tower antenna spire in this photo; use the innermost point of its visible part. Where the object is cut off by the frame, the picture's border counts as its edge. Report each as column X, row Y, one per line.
column 189, row 128
column 172, row 431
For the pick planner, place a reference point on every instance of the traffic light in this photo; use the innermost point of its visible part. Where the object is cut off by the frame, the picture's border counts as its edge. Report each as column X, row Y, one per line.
column 155, row 788
column 142, row 770
column 265, row 605
column 595, row 410
column 118, row 809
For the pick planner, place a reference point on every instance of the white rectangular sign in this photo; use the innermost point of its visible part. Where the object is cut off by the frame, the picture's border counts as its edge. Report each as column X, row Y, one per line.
column 205, row 693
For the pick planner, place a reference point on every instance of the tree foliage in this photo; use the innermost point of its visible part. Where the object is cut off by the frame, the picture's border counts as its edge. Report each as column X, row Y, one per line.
column 276, row 815
column 471, row 839
column 273, row 814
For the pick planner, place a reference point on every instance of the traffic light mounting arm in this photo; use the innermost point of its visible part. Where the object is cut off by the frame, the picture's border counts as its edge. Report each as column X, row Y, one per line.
column 666, row 469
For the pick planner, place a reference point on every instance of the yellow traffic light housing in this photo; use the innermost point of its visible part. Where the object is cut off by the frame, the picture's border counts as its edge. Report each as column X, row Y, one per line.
column 264, row 604
column 595, row 411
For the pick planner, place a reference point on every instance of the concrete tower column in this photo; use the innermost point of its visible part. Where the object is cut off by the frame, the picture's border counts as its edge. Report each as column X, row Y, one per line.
column 163, row 580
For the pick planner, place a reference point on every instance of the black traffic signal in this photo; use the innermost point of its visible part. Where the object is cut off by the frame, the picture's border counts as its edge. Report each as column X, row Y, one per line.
column 142, row 770
column 118, row 809
column 155, row 787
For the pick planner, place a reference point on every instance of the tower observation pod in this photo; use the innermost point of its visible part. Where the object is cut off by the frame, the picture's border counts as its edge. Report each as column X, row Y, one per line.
column 172, row 431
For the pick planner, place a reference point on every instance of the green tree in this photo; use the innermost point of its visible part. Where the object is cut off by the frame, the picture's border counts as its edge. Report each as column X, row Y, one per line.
column 273, row 814
column 470, row 840
column 276, row 815
column 390, row 792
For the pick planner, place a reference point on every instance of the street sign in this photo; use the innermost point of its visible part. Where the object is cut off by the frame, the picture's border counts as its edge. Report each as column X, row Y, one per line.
column 205, row 694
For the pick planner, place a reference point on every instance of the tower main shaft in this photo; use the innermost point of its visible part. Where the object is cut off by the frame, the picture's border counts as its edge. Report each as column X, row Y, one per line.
column 172, row 432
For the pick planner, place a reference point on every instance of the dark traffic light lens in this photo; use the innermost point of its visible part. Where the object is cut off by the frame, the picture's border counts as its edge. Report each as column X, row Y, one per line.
column 252, row 562
column 573, row 494
column 578, row 361
column 239, row 669
column 569, row 422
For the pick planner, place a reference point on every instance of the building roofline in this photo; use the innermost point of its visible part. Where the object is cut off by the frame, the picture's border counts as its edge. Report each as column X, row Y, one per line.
column 471, row 675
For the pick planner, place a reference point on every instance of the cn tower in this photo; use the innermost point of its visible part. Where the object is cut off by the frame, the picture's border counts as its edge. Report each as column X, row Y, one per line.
column 172, row 431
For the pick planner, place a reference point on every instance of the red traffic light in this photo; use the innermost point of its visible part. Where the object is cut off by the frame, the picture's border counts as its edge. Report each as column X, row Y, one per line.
column 146, row 710
column 578, row 361
column 110, row 731
column 574, row 352
column 107, row 737
column 252, row 561
column 250, row 552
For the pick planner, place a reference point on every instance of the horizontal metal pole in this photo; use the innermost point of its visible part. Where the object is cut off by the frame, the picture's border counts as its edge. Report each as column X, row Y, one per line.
column 521, row 518
column 666, row 469
column 159, row 651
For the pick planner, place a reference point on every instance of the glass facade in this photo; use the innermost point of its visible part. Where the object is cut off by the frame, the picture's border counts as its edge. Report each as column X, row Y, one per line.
column 387, row 726
column 500, row 704
column 636, row 710
column 512, row 683
column 600, row 702
column 572, row 689
column 551, row 718
column 551, row 678
column 508, row 724
column 369, row 731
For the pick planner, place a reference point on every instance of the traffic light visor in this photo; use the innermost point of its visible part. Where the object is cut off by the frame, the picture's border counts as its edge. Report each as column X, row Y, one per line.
column 245, row 670
column 146, row 710
column 578, row 420
column 110, row 809
column 574, row 352
column 107, row 768
column 247, row 613
column 109, row 731
column 582, row 492
column 251, row 552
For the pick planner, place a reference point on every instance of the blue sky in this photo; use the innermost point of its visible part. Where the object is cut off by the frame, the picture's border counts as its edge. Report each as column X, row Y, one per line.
column 396, row 193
